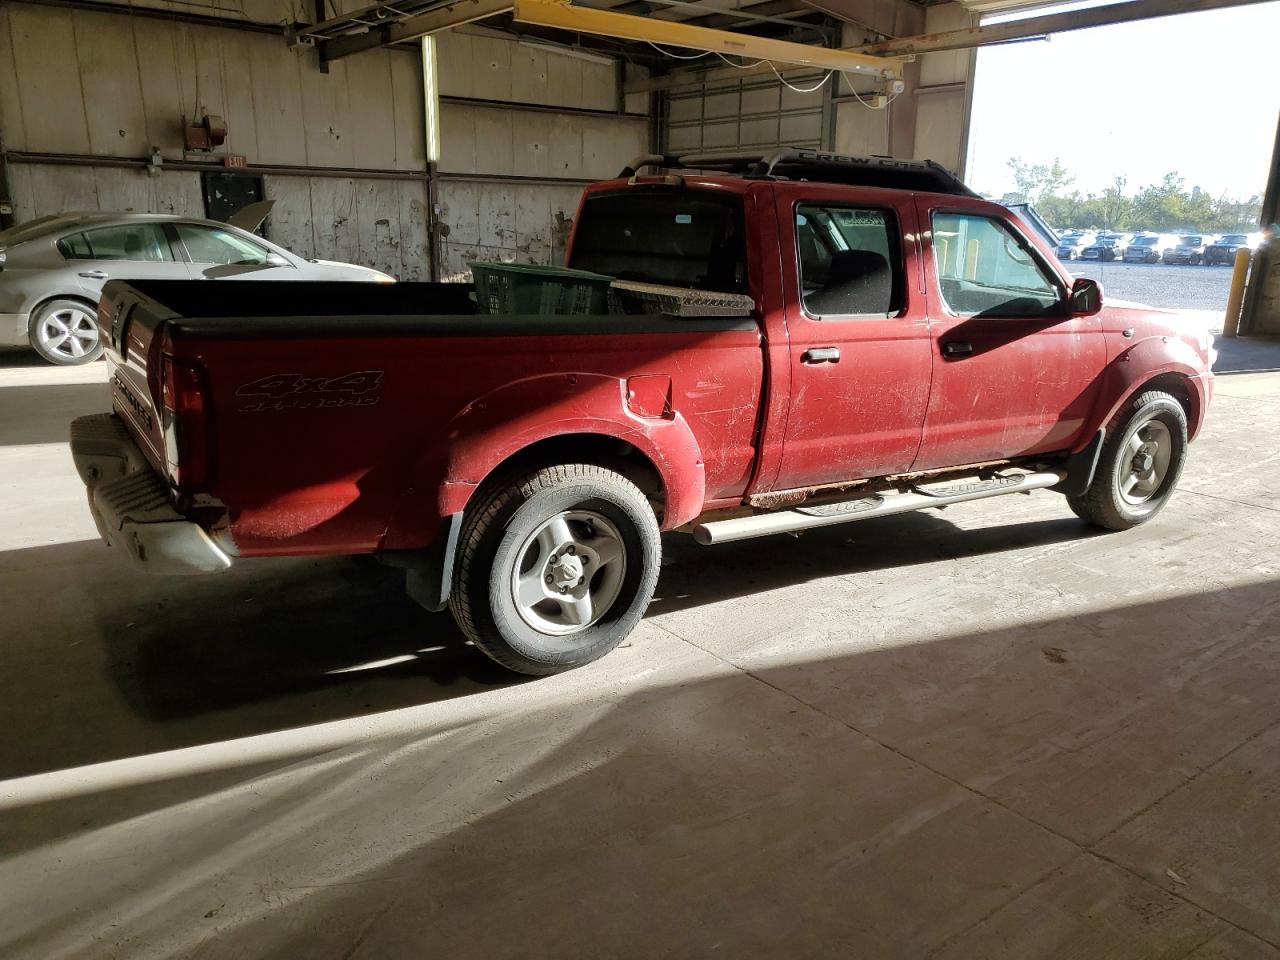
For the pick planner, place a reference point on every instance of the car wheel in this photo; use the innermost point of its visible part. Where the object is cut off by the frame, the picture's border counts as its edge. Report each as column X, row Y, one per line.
column 65, row 332
column 1141, row 461
column 555, row 568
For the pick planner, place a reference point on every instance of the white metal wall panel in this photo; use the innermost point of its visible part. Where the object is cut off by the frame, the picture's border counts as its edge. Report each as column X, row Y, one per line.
column 749, row 114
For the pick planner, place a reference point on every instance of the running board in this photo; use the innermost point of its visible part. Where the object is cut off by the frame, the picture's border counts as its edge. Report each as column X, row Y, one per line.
column 920, row 497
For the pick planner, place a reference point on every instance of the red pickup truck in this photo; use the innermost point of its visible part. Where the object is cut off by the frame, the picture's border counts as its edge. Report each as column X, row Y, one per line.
column 901, row 344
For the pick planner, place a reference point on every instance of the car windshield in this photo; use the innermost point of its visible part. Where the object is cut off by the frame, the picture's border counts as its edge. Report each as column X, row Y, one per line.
column 1145, row 241
column 1239, row 238
column 685, row 238
column 1189, row 242
column 1071, row 242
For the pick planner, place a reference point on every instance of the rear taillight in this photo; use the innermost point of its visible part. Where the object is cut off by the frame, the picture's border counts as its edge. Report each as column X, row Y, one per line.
column 185, row 419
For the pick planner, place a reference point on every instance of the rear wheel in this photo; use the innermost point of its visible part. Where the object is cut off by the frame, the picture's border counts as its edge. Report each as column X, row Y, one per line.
column 556, row 567
column 65, row 332
column 1141, row 461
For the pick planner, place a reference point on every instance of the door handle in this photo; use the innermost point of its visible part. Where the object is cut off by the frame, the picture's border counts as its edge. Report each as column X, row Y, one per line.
column 94, row 274
column 957, row 348
column 821, row 355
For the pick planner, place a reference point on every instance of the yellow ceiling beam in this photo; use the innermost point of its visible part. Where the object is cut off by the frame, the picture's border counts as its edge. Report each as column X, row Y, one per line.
column 563, row 15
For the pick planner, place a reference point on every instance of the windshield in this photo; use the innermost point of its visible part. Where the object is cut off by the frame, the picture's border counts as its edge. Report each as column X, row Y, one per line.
column 1189, row 242
column 1145, row 241
column 1071, row 242
column 1239, row 238
column 680, row 237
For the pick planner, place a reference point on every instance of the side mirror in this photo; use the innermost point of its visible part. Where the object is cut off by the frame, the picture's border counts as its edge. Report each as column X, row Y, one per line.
column 275, row 260
column 1085, row 298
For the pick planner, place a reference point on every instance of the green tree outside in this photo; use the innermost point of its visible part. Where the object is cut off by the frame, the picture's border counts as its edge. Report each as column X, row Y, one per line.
column 1166, row 206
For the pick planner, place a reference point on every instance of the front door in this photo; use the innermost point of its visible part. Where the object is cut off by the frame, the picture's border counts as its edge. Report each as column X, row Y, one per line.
column 221, row 253
column 858, row 333
column 1014, row 373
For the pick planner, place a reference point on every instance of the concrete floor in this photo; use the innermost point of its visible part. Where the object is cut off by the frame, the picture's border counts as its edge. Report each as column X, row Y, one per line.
column 987, row 732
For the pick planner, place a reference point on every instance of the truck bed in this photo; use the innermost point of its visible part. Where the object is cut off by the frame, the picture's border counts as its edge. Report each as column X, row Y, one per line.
column 330, row 407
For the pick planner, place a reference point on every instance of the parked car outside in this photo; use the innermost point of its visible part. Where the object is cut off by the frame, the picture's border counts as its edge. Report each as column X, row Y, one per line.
column 1104, row 248
column 1071, row 247
column 1224, row 249
column 1148, row 248
column 1188, row 249
column 52, row 270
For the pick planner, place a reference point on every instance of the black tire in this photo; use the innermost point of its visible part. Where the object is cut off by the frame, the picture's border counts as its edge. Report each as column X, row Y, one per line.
column 1104, row 503
column 65, row 357
column 495, row 538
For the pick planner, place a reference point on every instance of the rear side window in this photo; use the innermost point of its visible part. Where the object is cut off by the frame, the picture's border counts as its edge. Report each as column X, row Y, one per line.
column 684, row 238
column 137, row 242
column 75, row 247
column 850, row 261
column 986, row 270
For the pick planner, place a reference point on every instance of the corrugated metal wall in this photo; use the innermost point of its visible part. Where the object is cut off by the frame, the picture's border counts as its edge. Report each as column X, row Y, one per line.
column 137, row 77
column 756, row 112
column 512, row 111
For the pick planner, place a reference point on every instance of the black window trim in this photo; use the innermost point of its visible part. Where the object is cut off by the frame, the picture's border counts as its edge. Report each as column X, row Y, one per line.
column 1023, row 242
column 901, row 287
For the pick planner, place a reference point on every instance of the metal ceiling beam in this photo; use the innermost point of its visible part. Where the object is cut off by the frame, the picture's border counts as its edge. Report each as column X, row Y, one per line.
column 443, row 17
column 1125, row 12
column 567, row 16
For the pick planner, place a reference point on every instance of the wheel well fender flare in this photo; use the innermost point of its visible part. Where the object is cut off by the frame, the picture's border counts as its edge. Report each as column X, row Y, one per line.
column 498, row 429
column 1153, row 364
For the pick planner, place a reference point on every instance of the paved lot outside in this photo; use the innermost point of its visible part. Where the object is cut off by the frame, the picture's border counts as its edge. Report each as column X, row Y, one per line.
column 983, row 732
column 1199, row 291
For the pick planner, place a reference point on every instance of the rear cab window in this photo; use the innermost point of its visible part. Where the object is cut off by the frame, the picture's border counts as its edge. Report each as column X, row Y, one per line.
column 850, row 260
column 681, row 237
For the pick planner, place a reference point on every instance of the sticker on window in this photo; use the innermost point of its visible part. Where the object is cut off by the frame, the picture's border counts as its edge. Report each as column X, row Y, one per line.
column 859, row 218
column 684, row 218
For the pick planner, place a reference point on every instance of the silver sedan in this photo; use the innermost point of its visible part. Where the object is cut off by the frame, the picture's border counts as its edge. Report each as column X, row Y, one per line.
column 52, row 270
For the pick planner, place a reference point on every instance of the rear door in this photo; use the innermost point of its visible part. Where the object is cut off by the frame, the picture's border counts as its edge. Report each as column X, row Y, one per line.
column 1013, row 372
column 130, row 251
column 858, row 334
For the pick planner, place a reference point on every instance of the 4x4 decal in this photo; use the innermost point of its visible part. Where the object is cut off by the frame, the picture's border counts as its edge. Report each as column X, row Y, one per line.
column 295, row 391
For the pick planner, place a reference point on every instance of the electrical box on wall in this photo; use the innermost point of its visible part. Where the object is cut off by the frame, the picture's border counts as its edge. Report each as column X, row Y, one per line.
column 209, row 132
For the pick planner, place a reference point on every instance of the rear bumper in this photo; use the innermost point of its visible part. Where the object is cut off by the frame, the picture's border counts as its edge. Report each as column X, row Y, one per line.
column 130, row 503
column 13, row 330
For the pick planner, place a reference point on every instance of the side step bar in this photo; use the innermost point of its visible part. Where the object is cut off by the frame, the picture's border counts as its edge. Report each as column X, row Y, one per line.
column 920, row 497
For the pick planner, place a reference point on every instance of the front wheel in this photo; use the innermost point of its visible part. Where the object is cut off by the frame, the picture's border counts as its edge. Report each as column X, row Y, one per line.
column 1141, row 461
column 556, row 567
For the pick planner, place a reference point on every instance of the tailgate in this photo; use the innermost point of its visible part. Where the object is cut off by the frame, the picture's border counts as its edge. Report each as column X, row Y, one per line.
column 129, row 323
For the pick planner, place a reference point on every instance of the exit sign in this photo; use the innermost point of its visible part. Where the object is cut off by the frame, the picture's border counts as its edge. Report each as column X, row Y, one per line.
column 235, row 160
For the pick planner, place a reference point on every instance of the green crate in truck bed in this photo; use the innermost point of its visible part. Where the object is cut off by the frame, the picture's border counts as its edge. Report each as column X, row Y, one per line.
column 533, row 289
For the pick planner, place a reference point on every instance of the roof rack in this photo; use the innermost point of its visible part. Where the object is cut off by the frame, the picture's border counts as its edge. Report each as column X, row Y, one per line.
column 794, row 163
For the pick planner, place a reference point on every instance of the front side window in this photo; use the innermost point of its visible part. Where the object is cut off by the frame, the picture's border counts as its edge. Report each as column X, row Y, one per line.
column 137, row 242
column 678, row 237
column 215, row 245
column 985, row 269
column 849, row 261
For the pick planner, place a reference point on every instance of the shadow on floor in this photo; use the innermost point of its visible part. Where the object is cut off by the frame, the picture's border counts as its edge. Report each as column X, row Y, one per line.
column 43, row 413
column 1246, row 355
column 724, row 815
